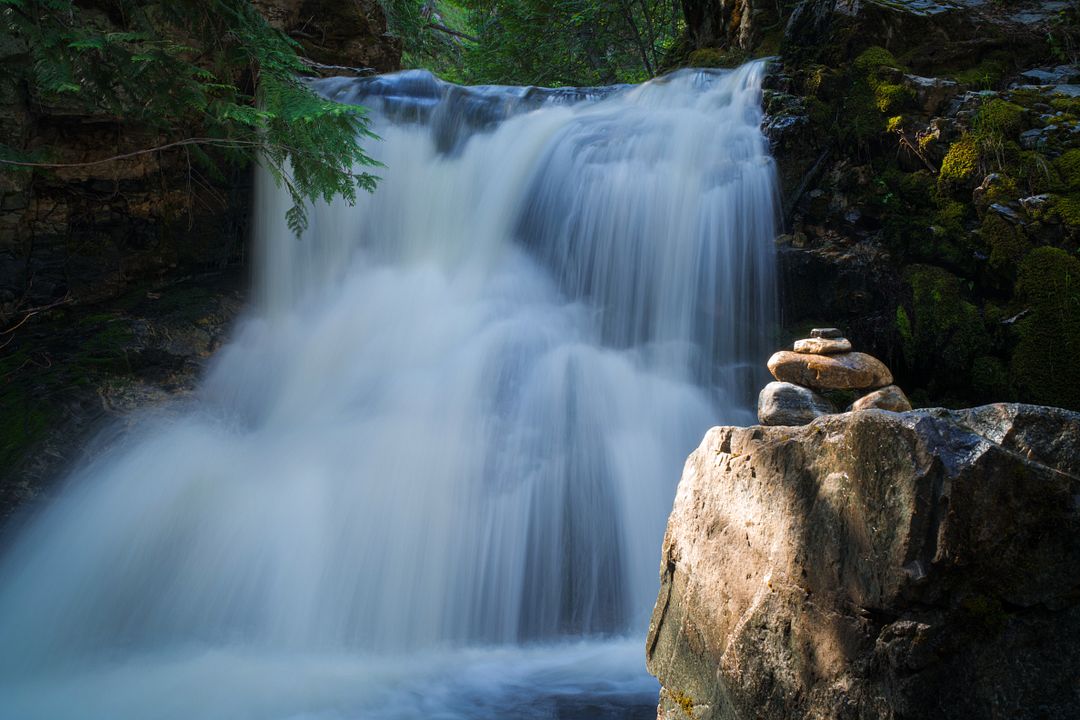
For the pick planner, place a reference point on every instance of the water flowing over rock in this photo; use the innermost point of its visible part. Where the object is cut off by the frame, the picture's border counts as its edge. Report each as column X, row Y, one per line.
column 446, row 425
column 875, row 565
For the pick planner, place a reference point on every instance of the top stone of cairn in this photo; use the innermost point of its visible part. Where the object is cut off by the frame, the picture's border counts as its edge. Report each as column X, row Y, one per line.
column 826, row 333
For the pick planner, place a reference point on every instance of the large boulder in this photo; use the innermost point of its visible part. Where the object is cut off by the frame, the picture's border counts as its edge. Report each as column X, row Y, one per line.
column 875, row 565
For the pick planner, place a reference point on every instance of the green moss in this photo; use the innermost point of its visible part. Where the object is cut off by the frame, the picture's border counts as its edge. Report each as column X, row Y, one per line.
column 1067, row 209
column 903, row 326
column 951, row 214
column 889, row 97
column 945, row 332
column 1068, row 167
column 1037, row 173
column 873, row 59
column 998, row 117
column 1070, row 105
column 1044, row 367
column 1007, row 242
column 989, row 379
column 983, row 76
column 714, row 57
column 961, row 162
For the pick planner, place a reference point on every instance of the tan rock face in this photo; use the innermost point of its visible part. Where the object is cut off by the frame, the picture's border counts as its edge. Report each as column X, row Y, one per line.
column 847, row 371
column 823, row 346
column 887, row 398
column 875, row 565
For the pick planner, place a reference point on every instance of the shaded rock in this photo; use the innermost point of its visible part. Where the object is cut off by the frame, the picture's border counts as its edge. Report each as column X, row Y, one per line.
column 875, row 565
column 781, row 403
column 848, row 371
column 1060, row 75
column 826, row 333
column 823, row 346
column 338, row 35
column 931, row 94
column 1035, row 202
column 887, row 398
column 1006, row 212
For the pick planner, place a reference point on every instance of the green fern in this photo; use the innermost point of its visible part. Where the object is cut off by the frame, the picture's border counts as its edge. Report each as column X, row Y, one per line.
column 213, row 65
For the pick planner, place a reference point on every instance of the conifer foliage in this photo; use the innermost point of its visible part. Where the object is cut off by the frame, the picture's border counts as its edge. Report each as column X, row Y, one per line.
column 215, row 65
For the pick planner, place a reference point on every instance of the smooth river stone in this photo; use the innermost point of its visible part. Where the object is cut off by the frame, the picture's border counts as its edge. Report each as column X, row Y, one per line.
column 823, row 346
column 887, row 398
column 782, row 403
column 846, row 371
column 826, row 333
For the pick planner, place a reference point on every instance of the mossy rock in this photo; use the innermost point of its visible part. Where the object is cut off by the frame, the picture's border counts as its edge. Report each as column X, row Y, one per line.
column 989, row 379
column 1007, row 243
column 1045, row 365
column 941, row 332
column 961, row 163
column 1037, row 173
column 999, row 117
column 890, row 97
column 985, row 76
column 873, row 59
column 715, row 58
column 1067, row 209
column 1068, row 167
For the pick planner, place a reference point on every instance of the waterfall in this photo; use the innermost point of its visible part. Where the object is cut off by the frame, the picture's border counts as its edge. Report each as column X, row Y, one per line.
column 445, row 437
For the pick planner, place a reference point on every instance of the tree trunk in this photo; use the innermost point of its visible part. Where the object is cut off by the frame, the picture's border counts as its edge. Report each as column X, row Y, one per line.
column 719, row 23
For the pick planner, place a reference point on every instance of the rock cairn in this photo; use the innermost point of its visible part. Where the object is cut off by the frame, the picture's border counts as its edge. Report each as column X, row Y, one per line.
column 825, row 362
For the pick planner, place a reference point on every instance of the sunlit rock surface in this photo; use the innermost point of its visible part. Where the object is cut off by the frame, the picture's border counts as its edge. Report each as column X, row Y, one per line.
column 875, row 565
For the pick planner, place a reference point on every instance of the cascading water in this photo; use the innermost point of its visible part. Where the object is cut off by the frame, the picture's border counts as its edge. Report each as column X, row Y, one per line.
column 429, row 476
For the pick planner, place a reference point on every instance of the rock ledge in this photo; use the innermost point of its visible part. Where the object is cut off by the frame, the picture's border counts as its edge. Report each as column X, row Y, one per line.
column 875, row 565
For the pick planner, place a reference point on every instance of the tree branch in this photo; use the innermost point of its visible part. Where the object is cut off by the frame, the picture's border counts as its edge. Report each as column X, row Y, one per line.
column 450, row 31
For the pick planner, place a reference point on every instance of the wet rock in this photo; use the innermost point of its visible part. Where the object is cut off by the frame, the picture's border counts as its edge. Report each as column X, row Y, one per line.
column 875, row 565
column 782, row 403
column 823, row 346
column 847, row 371
column 887, row 398
column 826, row 333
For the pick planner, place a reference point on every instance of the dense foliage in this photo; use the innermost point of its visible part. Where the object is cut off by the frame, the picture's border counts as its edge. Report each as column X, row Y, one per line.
column 214, row 65
column 539, row 42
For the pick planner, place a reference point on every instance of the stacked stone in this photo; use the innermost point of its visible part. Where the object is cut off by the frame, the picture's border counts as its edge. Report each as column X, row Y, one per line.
column 823, row 362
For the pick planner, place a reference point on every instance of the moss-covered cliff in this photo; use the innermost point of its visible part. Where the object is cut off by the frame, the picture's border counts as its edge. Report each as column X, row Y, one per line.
column 929, row 164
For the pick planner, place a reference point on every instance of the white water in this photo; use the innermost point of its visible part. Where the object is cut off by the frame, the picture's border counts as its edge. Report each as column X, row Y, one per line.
column 441, row 449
